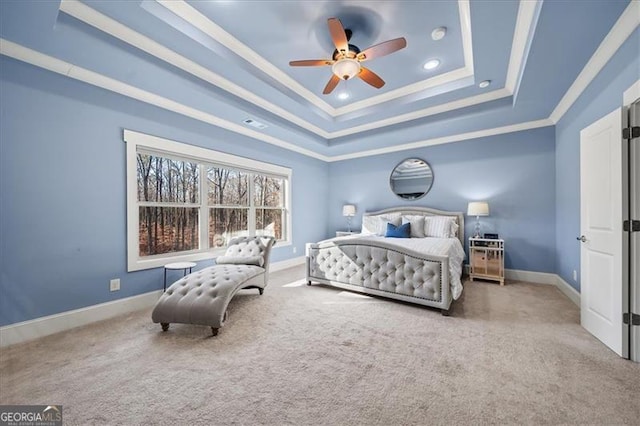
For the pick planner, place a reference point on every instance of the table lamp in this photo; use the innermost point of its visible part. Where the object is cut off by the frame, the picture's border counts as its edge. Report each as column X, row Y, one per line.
column 477, row 209
column 349, row 210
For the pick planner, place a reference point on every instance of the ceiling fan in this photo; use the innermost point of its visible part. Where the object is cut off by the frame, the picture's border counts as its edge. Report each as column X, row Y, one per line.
column 347, row 58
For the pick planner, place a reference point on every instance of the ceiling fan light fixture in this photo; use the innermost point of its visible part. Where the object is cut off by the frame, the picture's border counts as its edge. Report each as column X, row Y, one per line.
column 431, row 64
column 439, row 33
column 346, row 68
column 343, row 96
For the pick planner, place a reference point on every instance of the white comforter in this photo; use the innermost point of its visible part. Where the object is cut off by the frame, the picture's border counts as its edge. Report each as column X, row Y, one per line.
column 450, row 247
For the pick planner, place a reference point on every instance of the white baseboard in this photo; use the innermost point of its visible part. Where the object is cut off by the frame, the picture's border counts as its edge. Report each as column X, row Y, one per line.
column 568, row 291
column 44, row 326
column 284, row 264
column 541, row 278
column 530, row 276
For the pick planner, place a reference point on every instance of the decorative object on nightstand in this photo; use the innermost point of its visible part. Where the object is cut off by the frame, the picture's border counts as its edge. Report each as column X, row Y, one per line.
column 477, row 209
column 486, row 259
column 349, row 210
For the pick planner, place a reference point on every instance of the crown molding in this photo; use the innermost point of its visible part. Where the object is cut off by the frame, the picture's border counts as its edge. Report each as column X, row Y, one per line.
column 414, row 115
column 92, row 17
column 446, row 139
column 619, row 33
column 30, row 56
column 519, row 48
column 622, row 29
column 189, row 14
column 89, row 16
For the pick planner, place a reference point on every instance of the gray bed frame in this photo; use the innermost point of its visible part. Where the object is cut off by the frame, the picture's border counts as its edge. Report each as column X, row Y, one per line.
column 381, row 269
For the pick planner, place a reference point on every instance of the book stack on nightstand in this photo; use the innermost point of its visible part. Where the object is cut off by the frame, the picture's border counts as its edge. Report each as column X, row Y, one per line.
column 486, row 259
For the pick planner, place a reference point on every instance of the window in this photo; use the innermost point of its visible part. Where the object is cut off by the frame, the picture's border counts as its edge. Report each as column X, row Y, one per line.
column 186, row 203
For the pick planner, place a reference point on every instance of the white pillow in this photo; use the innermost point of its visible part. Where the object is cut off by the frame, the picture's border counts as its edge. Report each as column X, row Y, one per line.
column 417, row 225
column 440, row 227
column 377, row 225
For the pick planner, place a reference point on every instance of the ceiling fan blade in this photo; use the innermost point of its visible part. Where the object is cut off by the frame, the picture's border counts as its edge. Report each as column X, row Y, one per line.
column 332, row 84
column 338, row 35
column 311, row 63
column 371, row 78
column 383, row 49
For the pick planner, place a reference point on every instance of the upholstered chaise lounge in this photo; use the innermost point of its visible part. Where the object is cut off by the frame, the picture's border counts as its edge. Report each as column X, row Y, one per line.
column 202, row 297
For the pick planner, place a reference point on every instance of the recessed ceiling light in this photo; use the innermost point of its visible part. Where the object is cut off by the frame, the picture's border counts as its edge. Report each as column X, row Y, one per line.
column 439, row 33
column 484, row 84
column 343, row 95
column 431, row 64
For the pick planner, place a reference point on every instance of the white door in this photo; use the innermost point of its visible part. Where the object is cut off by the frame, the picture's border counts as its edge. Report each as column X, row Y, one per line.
column 601, row 228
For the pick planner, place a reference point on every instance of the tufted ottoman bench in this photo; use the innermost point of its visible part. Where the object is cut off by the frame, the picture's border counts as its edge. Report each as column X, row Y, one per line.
column 202, row 297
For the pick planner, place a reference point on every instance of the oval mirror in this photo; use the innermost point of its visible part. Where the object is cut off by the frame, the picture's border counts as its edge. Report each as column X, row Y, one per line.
column 411, row 179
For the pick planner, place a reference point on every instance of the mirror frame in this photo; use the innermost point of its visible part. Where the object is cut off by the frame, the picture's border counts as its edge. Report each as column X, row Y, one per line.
column 425, row 192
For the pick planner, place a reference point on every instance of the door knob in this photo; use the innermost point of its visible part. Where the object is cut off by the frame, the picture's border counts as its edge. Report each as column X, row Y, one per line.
column 582, row 238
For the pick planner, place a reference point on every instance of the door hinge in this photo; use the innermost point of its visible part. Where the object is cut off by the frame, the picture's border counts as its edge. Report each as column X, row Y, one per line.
column 631, row 132
column 635, row 318
column 631, row 226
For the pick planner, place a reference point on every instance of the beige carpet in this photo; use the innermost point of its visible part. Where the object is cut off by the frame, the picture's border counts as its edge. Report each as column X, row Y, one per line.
column 317, row 355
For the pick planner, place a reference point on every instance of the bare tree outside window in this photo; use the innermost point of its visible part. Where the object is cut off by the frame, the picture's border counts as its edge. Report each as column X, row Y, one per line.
column 229, row 193
column 236, row 203
column 168, row 191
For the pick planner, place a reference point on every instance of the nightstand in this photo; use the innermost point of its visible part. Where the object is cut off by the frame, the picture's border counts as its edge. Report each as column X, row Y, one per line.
column 345, row 233
column 486, row 259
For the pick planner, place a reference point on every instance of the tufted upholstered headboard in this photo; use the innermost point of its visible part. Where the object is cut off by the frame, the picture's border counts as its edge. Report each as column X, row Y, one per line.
column 424, row 211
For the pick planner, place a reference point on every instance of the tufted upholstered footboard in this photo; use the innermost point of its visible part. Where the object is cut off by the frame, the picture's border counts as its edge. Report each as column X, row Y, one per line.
column 381, row 269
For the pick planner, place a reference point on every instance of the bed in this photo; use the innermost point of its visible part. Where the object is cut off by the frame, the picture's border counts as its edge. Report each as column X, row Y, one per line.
column 425, row 269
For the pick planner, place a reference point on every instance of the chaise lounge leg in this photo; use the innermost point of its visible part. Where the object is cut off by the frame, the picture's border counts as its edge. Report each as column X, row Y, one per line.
column 214, row 331
column 261, row 290
column 445, row 312
column 165, row 326
column 309, row 282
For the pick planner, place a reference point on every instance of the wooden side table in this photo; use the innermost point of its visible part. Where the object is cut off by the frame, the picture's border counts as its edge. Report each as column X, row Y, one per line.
column 177, row 266
column 486, row 259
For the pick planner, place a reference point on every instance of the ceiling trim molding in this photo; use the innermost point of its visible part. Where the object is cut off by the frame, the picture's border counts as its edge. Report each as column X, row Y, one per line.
column 447, row 139
column 437, row 109
column 33, row 57
column 41, row 60
column 92, row 17
column 619, row 33
column 114, row 28
column 521, row 35
column 464, row 11
column 188, row 13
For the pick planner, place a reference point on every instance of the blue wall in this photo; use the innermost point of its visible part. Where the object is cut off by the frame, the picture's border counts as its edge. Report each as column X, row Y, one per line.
column 602, row 96
column 515, row 173
column 63, row 192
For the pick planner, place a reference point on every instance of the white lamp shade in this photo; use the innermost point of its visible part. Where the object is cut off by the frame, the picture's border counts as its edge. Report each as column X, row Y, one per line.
column 478, row 208
column 348, row 210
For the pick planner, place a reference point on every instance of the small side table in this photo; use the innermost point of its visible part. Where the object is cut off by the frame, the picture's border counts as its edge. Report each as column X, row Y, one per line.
column 177, row 266
column 486, row 259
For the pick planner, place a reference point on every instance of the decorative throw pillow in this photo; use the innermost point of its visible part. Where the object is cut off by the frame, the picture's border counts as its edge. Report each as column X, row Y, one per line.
column 402, row 231
column 377, row 225
column 440, row 227
column 417, row 225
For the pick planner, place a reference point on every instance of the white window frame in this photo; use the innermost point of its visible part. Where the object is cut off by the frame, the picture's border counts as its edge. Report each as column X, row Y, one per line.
column 136, row 141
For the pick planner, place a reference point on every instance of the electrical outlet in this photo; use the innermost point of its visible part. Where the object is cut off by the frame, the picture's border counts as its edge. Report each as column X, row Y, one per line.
column 114, row 284
column 575, row 275
column 295, row 249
